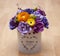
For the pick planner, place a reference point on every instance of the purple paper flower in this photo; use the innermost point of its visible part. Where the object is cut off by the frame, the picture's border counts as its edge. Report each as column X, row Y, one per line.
column 41, row 12
column 23, row 28
column 37, row 13
column 39, row 27
column 45, row 21
column 30, row 11
column 13, row 24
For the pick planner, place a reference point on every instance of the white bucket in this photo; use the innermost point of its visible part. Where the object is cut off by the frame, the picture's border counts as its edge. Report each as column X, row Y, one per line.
column 29, row 43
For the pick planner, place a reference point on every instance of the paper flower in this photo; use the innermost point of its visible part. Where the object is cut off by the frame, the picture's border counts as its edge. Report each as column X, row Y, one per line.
column 30, row 11
column 37, row 13
column 23, row 16
column 23, row 28
column 31, row 21
column 41, row 12
column 45, row 21
column 38, row 27
column 13, row 24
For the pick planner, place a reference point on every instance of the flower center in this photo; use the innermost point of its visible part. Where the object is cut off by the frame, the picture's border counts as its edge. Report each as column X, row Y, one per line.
column 23, row 16
column 31, row 22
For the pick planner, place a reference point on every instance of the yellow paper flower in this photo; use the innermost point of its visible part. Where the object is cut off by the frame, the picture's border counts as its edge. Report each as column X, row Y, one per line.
column 31, row 21
column 23, row 16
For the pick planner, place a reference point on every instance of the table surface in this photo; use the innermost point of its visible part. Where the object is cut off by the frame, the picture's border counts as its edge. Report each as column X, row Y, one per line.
column 50, row 38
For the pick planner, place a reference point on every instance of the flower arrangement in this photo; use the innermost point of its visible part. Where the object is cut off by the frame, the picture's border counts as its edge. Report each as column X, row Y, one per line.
column 29, row 19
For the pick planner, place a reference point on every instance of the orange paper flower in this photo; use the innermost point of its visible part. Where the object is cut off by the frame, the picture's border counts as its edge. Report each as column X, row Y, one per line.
column 23, row 16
